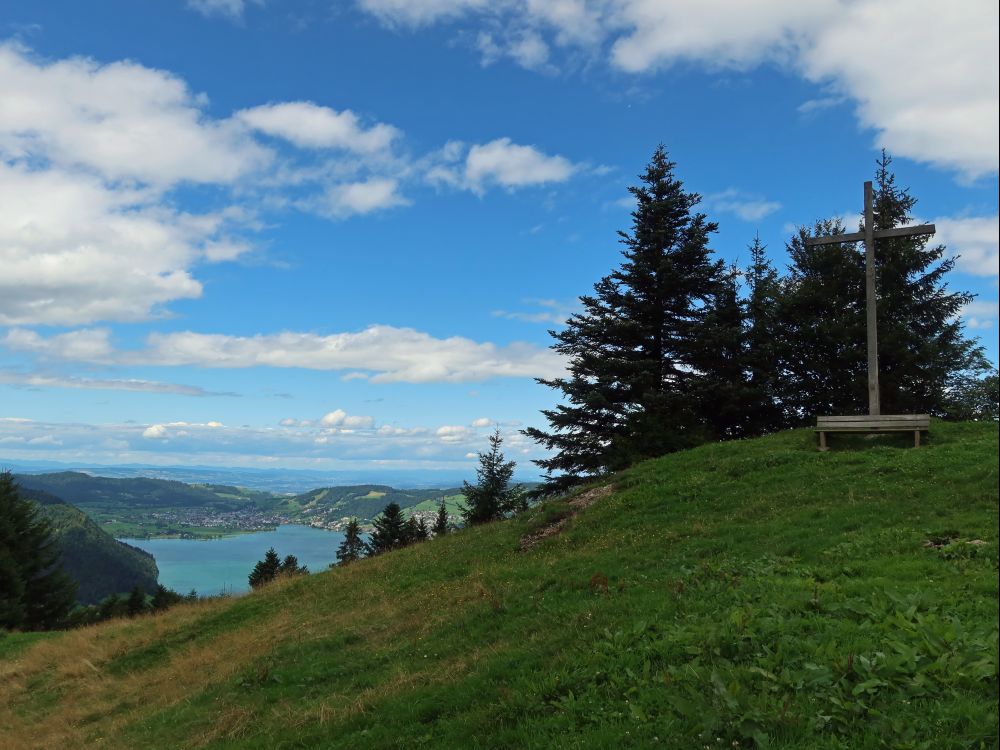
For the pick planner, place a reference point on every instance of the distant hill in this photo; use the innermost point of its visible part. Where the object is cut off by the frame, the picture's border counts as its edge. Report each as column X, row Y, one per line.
column 83, row 489
column 99, row 564
column 364, row 501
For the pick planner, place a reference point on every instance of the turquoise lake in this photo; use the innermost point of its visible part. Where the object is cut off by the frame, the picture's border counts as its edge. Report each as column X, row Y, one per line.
column 217, row 566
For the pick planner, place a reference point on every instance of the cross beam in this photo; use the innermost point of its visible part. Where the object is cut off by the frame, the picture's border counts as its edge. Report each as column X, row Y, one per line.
column 869, row 234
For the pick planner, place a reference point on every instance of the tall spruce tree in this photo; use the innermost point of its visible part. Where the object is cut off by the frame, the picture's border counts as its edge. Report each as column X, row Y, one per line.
column 492, row 497
column 765, row 407
column 822, row 331
column 390, row 530
column 35, row 593
column 633, row 388
column 353, row 547
column 923, row 351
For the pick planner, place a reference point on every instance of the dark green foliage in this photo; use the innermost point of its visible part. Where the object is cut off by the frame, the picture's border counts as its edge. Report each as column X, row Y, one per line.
column 83, row 490
column 353, row 547
column 136, row 603
column 112, row 606
column 265, row 570
column 415, row 530
column 164, row 598
column 290, row 566
column 390, row 530
column 923, row 351
column 492, row 497
column 634, row 389
column 441, row 524
column 763, row 345
column 35, row 593
column 972, row 398
column 97, row 562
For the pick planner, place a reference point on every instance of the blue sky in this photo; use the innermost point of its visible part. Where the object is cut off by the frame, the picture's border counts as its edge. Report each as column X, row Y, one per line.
column 315, row 234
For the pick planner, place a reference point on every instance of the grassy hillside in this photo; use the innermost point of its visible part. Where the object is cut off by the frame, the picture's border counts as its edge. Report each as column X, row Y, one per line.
column 753, row 594
column 99, row 564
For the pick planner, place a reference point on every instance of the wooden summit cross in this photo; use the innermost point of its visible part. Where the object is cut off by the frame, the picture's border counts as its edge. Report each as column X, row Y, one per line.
column 875, row 421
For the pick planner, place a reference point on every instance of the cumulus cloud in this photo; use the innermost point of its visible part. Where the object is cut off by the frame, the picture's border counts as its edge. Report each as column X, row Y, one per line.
column 383, row 354
column 309, row 125
column 922, row 74
column 482, row 422
column 359, row 198
column 976, row 239
column 340, row 418
column 497, row 163
column 155, row 432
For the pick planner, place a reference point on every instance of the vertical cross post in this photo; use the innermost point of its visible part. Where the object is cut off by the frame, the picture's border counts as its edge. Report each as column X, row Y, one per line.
column 874, row 409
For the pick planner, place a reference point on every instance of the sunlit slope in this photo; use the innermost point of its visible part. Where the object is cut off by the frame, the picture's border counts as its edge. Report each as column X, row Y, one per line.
column 758, row 593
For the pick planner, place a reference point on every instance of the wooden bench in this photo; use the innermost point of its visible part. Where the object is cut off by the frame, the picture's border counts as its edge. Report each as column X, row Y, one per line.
column 915, row 423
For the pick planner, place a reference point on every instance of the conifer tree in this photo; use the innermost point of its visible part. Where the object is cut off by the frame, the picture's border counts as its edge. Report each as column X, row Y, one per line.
column 632, row 388
column 723, row 391
column 136, row 603
column 290, row 566
column 492, row 497
column 353, row 547
column 389, row 532
column 923, row 351
column 265, row 570
column 765, row 409
column 441, row 523
column 35, row 594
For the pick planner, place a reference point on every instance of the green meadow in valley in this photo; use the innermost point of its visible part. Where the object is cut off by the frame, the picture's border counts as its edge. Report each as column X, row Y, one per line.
column 745, row 594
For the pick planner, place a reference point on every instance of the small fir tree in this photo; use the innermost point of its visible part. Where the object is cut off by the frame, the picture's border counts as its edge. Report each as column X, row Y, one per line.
column 765, row 409
column 353, row 547
column 164, row 598
column 290, row 566
column 441, row 523
column 389, row 532
column 265, row 570
column 135, row 605
column 492, row 497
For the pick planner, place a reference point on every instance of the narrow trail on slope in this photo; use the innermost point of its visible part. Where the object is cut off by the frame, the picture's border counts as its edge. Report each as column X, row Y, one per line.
column 578, row 503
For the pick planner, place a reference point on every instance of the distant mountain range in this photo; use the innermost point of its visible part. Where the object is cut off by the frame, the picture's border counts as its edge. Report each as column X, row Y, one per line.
column 292, row 481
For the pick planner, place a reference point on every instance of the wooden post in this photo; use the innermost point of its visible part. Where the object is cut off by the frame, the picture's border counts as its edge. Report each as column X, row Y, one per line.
column 874, row 408
column 822, row 441
column 916, row 438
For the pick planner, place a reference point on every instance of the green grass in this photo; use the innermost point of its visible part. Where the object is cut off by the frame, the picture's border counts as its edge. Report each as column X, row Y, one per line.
column 751, row 594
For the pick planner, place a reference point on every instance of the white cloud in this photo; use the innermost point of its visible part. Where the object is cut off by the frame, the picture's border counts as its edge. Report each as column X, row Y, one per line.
column 37, row 380
column 121, row 121
column 482, row 422
column 155, row 432
column 981, row 314
column 976, row 239
column 309, row 125
column 497, row 163
column 386, row 353
column 747, row 207
column 921, row 73
column 511, row 166
column 452, row 433
column 551, row 312
column 229, row 8
column 359, row 198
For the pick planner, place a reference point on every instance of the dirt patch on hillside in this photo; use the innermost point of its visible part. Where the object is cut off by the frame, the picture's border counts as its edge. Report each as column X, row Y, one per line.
column 578, row 503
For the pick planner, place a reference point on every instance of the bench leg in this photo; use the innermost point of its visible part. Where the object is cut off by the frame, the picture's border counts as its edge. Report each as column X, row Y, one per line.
column 822, row 441
column 916, row 438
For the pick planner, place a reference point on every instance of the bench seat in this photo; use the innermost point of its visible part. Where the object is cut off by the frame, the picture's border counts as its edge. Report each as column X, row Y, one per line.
column 915, row 423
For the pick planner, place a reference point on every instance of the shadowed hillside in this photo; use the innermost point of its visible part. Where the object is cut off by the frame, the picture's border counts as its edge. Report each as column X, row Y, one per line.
column 746, row 594
column 100, row 564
